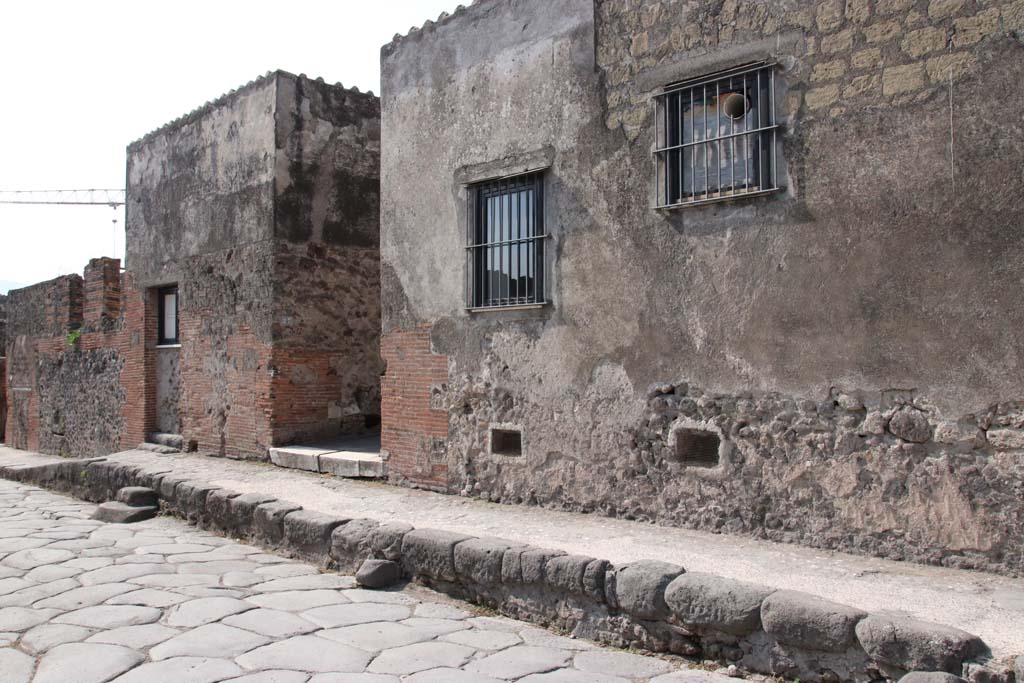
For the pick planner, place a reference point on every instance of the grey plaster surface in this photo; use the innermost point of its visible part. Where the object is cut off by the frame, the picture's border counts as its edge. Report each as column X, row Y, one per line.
column 987, row 605
column 156, row 623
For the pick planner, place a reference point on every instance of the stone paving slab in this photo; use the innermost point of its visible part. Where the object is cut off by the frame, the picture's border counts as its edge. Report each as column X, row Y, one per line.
column 988, row 605
column 106, row 618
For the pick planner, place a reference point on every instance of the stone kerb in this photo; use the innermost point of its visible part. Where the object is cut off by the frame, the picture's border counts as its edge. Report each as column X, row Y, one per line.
column 649, row 605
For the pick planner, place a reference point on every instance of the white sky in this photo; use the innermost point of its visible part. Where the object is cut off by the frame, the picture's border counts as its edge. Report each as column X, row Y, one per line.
column 83, row 79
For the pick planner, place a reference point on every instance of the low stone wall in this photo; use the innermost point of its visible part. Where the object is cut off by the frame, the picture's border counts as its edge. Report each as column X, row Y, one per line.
column 648, row 605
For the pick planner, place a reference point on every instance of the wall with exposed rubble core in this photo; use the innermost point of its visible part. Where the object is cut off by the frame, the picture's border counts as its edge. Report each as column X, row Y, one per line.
column 3, row 366
column 837, row 364
column 77, row 362
column 262, row 207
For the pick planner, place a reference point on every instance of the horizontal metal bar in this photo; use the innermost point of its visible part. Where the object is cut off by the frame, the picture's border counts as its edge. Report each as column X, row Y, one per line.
column 113, row 204
column 722, row 198
column 673, row 88
column 508, row 307
column 523, row 240
column 716, row 139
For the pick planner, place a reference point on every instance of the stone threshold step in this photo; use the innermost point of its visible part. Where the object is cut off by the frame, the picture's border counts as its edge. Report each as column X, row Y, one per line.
column 348, row 464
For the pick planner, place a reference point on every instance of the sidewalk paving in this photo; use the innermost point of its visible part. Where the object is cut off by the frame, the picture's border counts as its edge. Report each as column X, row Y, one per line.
column 987, row 605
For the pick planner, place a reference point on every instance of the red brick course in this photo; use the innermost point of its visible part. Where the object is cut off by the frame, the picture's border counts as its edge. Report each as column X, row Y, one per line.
column 412, row 433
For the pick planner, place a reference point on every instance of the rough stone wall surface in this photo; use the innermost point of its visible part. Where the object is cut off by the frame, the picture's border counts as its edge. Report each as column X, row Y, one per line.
column 848, row 339
column 77, row 370
column 263, row 208
column 3, row 323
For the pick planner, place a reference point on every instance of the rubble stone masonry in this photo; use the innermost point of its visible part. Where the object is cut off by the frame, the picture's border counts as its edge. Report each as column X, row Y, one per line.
column 836, row 364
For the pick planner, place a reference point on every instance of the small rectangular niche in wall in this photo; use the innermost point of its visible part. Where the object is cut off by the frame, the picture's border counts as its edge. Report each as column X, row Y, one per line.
column 506, row 442
column 697, row 448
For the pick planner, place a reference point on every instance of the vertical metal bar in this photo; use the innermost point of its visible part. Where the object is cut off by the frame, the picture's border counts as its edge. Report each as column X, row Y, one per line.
column 771, row 120
column 469, row 252
column 679, row 140
column 506, row 253
column 732, row 139
column 693, row 151
column 529, row 244
column 657, row 156
column 665, row 155
column 704, row 137
column 718, row 136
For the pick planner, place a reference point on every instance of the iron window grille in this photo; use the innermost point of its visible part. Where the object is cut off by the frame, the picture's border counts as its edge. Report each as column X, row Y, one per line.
column 715, row 137
column 167, row 316
column 505, row 242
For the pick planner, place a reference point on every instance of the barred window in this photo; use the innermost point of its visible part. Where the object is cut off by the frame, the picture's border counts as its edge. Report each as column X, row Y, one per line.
column 715, row 137
column 505, row 250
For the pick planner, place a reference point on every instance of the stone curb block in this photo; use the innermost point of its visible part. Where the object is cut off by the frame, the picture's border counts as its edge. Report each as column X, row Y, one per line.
column 913, row 645
column 268, row 521
column 810, row 622
column 640, row 588
column 307, row 534
column 705, row 601
column 656, row 593
column 431, row 553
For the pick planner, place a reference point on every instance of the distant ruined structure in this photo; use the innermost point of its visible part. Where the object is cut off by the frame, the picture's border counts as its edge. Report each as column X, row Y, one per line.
column 248, row 313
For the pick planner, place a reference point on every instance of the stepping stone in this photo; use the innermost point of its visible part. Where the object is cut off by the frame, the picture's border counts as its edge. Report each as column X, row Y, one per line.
column 209, row 641
column 520, row 661
column 135, row 637
column 137, row 496
column 191, row 669
column 377, row 636
column 272, row 623
column 411, row 659
column 85, row 663
column 378, row 573
column 17, row 666
column 333, row 616
column 45, row 636
column 620, row 664
column 115, row 512
column 110, row 616
column 307, row 653
column 205, row 610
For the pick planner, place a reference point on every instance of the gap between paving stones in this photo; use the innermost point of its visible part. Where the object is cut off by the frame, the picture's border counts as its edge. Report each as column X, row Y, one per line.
column 646, row 605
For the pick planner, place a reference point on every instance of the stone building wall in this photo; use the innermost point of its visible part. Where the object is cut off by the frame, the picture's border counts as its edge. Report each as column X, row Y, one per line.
column 836, row 364
column 77, row 364
column 3, row 366
column 262, row 208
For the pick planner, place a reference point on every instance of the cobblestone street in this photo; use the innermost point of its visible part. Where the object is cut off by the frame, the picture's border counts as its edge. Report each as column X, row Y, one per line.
column 89, row 602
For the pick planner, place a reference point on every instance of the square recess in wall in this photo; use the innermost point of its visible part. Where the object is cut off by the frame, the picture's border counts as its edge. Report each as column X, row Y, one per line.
column 697, row 448
column 506, row 442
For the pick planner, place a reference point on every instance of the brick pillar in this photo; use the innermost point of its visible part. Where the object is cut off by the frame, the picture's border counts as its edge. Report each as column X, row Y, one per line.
column 413, row 434
column 102, row 292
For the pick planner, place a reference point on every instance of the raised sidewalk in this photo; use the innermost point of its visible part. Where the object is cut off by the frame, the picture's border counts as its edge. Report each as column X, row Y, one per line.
column 989, row 606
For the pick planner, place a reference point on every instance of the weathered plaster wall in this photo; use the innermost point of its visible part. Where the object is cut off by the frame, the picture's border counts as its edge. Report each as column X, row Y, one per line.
column 262, row 207
column 851, row 339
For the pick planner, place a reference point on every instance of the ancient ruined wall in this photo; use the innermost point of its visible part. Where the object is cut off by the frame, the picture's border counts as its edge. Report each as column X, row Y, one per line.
column 835, row 365
column 262, row 207
column 77, row 365
column 326, row 263
column 3, row 366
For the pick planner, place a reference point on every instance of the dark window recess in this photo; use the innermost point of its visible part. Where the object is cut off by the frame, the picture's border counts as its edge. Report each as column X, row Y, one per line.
column 167, row 315
column 716, row 137
column 697, row 448
column 506, row 442
column 505, row 242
